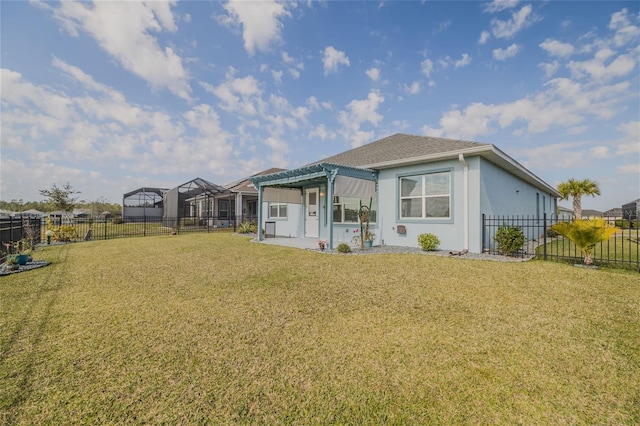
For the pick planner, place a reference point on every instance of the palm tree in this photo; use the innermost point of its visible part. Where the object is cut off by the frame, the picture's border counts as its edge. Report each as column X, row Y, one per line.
column 585, row 234
column 576, row 189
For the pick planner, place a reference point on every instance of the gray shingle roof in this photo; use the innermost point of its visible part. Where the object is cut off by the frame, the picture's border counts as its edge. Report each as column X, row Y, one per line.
column 398, row 147
column 245, row 185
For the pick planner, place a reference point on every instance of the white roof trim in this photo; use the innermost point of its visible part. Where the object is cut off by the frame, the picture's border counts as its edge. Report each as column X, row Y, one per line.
column 488, row 151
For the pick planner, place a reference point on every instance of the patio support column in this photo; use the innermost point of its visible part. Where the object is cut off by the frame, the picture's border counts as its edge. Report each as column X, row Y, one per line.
column 330, row 180
column 260, row 193
column 465, row 177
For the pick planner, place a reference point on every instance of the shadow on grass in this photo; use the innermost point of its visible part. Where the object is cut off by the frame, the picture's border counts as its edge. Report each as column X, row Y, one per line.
column 47, row 296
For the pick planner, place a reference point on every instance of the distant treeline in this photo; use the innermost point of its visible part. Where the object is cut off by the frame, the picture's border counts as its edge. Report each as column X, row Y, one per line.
column 95, row 207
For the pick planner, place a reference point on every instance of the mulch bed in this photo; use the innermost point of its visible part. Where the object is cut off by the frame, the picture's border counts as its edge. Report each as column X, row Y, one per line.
column 23, row 268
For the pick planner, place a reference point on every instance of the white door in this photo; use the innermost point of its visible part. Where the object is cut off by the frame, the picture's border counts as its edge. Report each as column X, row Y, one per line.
column 311, row 222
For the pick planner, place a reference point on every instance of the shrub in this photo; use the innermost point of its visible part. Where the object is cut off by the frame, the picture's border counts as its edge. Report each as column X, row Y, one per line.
column 626, row 224
column 552, row 233
column 509, row 239
column 428, row 242
column 117, row 220
column 247, row 228
column 343, row 248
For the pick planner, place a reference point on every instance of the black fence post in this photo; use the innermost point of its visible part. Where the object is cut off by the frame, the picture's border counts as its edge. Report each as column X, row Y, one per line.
column 544, row 235
column 484, row 224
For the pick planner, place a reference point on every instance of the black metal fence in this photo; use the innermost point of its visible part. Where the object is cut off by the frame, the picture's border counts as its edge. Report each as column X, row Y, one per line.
column 15, row 229
column 101, row 228
column 621, row 250
column 18, row 230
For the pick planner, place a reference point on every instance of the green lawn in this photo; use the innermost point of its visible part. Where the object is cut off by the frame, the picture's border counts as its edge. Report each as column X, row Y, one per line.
column 211, row 328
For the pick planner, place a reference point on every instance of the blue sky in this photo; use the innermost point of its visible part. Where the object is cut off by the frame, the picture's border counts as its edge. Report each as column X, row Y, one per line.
column 113, row 96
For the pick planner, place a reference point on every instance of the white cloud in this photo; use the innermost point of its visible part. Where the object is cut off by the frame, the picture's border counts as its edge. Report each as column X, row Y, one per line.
column 499, row 5
column 447, row 61
column 359, row 112
column 442, row 26
column 373, row 74
column 564, row 103
column 484, row 36
column 123, row 29
column 261, row 22
column 628, row 169
column 294, row 65
column 464, row 61
column 564, row 155
column 321, row 132
column 503, row 54
column 519, row 21
column 101, row 130
column 413, row 89
column 550, row 68
column 332, row 58
column 625, row 30
column 629, row 143
column 294, row 73
column 277, row 76
column 598, row 68
column 426, row 67
column 557, row 48
column 599, row 152
column 237, row 94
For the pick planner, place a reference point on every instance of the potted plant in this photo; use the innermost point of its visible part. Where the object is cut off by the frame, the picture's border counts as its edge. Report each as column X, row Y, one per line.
column 366, row 236
column 23, row 251
column 12, row 262
column 322, row 244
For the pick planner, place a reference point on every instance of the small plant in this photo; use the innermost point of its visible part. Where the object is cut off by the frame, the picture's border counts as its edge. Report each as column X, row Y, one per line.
column 247, row 228
column 428, row 242
column 509, row 239
column 343, row 248
column 61, row 233
column 322, row 244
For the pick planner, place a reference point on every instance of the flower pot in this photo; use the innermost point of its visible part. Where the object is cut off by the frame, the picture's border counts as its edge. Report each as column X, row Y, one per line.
column 22, row 259
column 368, row 243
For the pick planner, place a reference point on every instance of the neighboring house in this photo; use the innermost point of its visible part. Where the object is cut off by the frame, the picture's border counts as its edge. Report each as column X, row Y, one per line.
column 591, row 214
column 197, row 199
column 613, row 214
column 417, row 185
column 33, row 213
column 146, row 203
column 245, row 196
column 59, row 217
column 565, row 214
column 631, row 210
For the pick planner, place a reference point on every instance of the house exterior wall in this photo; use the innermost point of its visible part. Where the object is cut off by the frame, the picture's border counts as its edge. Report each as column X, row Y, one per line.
column 290, row 226
column 504, row 194
column 450, row 231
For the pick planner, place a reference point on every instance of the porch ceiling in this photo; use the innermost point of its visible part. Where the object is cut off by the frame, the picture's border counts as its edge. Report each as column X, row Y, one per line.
column 315, row 173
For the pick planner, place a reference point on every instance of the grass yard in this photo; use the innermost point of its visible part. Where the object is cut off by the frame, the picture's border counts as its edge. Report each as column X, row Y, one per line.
column 211, row 328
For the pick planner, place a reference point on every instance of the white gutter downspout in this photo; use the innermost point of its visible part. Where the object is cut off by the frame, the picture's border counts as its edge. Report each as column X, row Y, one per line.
column 465, row 178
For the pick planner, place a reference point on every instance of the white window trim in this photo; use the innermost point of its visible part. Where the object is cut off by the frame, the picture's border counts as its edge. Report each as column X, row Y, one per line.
column 423, row 197
column 279, row 205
